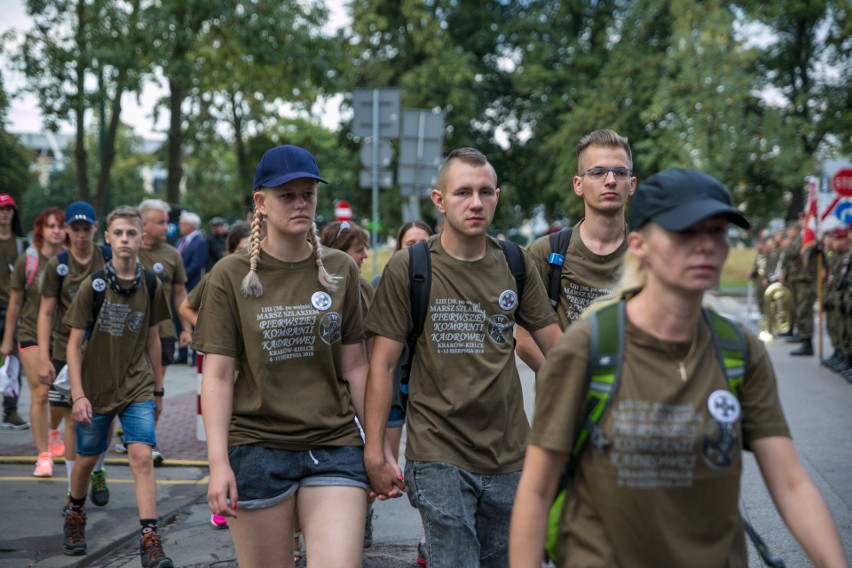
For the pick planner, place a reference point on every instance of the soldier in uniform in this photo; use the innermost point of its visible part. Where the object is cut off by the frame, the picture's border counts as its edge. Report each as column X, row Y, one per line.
column 835, row 246
column 800, row 276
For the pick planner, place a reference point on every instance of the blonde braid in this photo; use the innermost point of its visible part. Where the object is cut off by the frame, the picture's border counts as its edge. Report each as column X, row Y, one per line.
column 328, row 281
column 252, row 287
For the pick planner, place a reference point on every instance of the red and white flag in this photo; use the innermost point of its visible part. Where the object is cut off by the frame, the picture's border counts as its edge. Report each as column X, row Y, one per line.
column 809, row 231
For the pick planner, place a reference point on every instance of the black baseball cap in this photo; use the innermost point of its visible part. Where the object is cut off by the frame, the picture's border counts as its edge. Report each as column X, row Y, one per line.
column 285, row 163
column 678, row 198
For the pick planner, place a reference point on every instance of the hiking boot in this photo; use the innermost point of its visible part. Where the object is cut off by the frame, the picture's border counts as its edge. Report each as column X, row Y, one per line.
column 44, row 465
column 119, row 447
column 151, row 551
column 99, row 493
column 368, row 529
column 806, row 349
column 12, row 421
column 158, row 457
column 793, row 339
column 422, row 558
column 844, row 364
column 55, row 444
column 67, row 504
column 74, row 543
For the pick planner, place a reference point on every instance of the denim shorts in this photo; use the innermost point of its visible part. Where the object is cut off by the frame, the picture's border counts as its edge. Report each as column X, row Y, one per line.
column 465, row 515
column 267, row 476
column 137, row 421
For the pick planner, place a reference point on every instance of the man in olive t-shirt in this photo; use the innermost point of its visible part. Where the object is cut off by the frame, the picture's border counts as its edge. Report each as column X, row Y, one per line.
column 466, row 421
column 11, row 246
column 591, row 265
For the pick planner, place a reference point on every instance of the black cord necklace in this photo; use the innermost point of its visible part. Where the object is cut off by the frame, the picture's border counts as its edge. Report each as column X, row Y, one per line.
column 112, row 279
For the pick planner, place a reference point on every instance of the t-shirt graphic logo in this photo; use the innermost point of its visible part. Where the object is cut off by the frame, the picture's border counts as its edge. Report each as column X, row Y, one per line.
column 158, row 267
column 720, row 445
column 498, row 328
column 98, row 285
column 723, row 406
column 134, row 324
column 329, row 328
column 508, row 300
column 62, row 269
column 321, row 301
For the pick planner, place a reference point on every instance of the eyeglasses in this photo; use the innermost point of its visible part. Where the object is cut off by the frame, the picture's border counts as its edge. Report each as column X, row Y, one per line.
column 597, row 174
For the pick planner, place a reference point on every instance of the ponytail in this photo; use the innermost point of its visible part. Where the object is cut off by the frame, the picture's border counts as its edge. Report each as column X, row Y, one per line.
column 328, row 281
column 252, row 287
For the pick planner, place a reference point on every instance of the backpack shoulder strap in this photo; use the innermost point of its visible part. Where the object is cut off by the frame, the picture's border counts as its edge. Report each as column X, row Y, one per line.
column 97, row 300
column 62, row 259
column 603, row 373
column 515, row 258
column 731, row 349
column 106, row 250
column 31, row 265
column 419, row 287
column 150, row 283
column 558, row 247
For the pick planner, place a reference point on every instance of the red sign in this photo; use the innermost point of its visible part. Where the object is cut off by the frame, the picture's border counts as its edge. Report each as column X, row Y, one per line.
column 343, row 211
column 842, row 182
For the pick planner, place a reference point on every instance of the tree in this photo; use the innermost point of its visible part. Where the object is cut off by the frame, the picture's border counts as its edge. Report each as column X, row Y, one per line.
column 178, row 27
column 80, row 54
column 265, row 55
column 14, row 158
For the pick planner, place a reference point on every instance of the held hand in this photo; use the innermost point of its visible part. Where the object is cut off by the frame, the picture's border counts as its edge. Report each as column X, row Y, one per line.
column 386, row 480
column 6, row 348
column 222, row 492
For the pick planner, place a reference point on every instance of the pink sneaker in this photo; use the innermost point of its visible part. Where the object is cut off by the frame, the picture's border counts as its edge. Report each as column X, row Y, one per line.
column 219, row 521
column 44, row 465
column 55, row 443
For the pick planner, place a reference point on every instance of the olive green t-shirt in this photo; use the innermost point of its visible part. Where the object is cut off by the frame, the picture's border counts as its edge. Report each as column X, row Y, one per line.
column 116, row 370
column 665, row 490
column 367, row 294
column 290, row 392
column 8, row 253
column 194, row 297
column 585, row 275
column 165, row 261
column 28, row 318
column 465, row 403
column 64, row 292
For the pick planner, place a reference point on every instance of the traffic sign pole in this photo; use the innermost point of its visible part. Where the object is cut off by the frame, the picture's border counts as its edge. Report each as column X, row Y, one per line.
column 374, row 229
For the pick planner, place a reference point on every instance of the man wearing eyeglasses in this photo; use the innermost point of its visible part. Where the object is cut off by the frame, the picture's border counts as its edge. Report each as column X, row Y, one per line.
column 597, row 243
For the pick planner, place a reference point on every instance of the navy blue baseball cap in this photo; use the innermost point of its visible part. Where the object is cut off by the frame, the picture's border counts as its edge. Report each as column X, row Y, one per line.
column 80, row 211
column 677, row 199
column 285, row 163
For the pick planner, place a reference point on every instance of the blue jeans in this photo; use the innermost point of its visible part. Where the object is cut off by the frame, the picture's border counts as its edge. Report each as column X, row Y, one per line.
column 465, row 515
column 137, row 421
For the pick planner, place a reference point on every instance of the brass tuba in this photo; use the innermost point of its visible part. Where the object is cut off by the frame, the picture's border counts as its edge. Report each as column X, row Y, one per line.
column 777, row 312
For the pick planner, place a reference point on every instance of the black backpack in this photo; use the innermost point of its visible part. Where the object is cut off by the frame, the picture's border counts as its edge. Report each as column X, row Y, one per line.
column 419, row 287
column 99, row 295
column 558, row 247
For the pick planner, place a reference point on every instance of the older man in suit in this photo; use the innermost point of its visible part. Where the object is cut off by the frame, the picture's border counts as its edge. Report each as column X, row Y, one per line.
column 192, row 247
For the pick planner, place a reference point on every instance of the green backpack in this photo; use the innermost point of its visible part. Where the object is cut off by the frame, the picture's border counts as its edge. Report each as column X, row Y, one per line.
column 603, row 373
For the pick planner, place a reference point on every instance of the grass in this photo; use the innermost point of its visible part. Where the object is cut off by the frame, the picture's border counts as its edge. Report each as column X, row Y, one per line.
column 736, row 269
column 734, row 274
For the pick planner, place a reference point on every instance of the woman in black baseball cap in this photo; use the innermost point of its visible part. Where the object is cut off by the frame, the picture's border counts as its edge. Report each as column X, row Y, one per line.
column 676, row 392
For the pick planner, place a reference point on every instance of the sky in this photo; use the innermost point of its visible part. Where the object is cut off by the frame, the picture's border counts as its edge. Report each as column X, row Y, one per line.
column 24, row 114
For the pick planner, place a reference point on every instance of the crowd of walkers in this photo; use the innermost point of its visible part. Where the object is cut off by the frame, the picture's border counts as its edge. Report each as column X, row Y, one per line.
column 646, row 399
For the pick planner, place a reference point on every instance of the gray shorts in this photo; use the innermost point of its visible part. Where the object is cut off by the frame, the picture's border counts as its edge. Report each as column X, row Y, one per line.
column 266, row 476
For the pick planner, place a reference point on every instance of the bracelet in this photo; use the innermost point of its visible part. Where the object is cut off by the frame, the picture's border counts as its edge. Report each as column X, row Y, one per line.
column 159, row 392
column 73, row 402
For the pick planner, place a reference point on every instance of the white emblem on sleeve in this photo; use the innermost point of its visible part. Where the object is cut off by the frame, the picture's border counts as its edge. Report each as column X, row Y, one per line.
column 723, row 406
column 321, row 301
